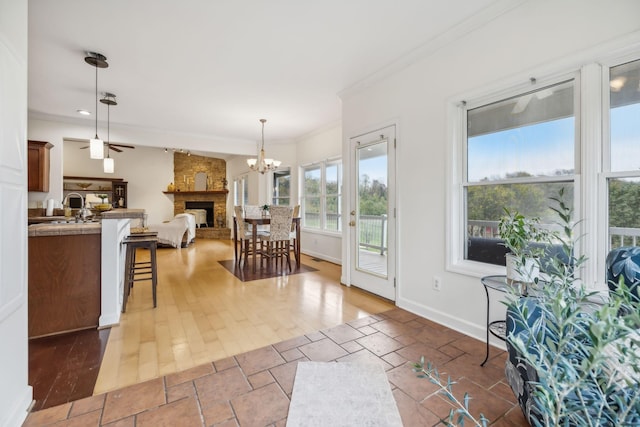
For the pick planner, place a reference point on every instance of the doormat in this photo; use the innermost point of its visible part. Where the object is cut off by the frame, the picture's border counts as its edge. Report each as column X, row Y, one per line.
column 342, row 395
column 246, row 274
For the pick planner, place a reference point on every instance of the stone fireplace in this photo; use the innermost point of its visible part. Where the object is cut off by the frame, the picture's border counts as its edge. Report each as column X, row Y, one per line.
column 206, row 206
column 210, row 195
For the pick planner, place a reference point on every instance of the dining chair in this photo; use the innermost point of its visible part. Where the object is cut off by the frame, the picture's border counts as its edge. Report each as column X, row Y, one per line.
column 274, row 245
column 292, row 234
column 253, row 211
column 244, row 235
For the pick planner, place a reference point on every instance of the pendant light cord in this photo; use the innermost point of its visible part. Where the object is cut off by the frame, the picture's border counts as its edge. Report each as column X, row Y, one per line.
column 96, row 66
column 108, row 139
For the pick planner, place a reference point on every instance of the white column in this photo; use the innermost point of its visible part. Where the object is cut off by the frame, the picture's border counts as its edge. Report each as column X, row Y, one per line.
column 112, row 270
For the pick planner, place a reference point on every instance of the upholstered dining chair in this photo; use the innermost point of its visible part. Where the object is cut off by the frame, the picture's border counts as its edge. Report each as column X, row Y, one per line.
column 292, row 234
column 274, row 245
column 253, row 211
column 244, row 235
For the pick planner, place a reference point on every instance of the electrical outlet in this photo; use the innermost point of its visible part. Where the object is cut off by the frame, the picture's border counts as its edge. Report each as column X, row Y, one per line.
column 437, row 283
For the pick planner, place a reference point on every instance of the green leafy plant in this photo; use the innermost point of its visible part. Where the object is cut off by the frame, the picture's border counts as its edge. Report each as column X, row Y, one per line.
column 518, row 232
column 102, row 197
column 265, row 208
column 458, row 416
column 582, row 347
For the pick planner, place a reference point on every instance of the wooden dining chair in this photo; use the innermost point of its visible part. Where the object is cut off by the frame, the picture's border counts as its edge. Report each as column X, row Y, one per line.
column 244, row 236
column 274, row 245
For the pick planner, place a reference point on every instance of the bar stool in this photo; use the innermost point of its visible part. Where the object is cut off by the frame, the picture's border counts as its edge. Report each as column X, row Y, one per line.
column 137, row 270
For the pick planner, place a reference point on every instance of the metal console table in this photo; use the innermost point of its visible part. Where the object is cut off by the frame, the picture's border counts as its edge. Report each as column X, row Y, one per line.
column 497, row 328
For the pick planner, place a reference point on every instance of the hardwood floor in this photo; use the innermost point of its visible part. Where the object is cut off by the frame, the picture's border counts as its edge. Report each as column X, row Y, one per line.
column 64, row 367
column 205, row 313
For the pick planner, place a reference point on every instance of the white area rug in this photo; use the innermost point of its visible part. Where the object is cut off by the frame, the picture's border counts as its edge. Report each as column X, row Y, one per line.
column 342, row 394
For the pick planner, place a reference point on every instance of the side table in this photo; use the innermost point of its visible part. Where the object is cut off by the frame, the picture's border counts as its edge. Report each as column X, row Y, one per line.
column 497, row 328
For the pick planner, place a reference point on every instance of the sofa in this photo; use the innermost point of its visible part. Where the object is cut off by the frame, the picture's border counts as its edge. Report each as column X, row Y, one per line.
column 179, row 232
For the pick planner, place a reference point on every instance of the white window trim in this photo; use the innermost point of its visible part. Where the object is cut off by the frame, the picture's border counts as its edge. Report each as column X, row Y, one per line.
column 591, row 177
column 457, row 161
column 323, row 193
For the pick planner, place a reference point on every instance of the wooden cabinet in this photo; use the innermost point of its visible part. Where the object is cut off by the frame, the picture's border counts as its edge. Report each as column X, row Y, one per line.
column 114, row 188
column 64, row 283
column 38, row 165
column 120, row 193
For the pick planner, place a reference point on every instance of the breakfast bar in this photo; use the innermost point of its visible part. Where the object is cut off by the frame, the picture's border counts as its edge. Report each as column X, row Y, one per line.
column 76, row 273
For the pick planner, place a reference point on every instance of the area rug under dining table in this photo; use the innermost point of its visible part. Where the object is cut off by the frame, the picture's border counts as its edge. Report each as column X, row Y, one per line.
column 245, row 273
column 342, row 394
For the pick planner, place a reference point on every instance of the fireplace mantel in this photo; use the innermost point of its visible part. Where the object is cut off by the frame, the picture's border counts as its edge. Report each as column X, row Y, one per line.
column 198, row 192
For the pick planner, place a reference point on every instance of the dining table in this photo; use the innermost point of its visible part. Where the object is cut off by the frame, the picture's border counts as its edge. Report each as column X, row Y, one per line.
column 255, row 222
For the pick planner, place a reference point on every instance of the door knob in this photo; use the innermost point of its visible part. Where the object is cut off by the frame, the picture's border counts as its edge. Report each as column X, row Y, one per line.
column 353, row 212
column 352, row 223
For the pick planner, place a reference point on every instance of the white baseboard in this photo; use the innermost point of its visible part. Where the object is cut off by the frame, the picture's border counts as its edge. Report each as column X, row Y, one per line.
column 322, row 256
column 455, row 323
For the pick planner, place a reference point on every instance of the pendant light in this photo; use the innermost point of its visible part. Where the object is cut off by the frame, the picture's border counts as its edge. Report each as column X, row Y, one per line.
column 108, row 162
column 262, row 164
column 96, row 145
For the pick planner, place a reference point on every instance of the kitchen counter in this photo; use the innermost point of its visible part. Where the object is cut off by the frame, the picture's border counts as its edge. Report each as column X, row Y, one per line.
column 64, row 278
column 123, row 213
column 71, row 228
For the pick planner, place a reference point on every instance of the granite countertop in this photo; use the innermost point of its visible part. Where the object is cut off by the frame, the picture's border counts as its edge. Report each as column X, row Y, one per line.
column 123, row 213
column 64, row 229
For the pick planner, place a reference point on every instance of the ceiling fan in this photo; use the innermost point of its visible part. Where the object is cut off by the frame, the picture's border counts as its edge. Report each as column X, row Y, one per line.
column 112, row 146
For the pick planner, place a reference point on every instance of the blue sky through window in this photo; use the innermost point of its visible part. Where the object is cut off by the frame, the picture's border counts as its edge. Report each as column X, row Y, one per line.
column 541, row 149
column 625, row 138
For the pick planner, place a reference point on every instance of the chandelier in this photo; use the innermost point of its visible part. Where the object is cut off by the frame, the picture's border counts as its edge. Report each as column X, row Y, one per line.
column 96, row 147
column 262, row 164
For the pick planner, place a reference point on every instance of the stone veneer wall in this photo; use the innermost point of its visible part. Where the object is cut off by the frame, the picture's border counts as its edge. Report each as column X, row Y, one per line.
column 185, row 168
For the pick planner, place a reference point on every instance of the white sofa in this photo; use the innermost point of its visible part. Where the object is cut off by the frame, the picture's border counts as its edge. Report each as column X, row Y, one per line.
column 179, row 232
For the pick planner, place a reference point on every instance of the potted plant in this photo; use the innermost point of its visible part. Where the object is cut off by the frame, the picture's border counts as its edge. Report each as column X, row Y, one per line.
column 518, row 233
column 265, row 211
column 574, row 356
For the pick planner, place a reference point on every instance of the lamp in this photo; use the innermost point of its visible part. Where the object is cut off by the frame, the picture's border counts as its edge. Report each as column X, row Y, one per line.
column 96, row 145
column 108, row 163
column 262, row 164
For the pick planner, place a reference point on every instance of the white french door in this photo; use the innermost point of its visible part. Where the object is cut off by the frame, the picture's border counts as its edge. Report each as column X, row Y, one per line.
column 372, row 222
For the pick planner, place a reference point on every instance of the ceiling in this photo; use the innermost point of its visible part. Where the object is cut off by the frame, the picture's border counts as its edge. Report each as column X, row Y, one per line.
column 215, row 67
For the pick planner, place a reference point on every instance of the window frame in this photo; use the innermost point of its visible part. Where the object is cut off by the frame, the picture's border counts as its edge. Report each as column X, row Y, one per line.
column 274, row 176
column 457, row 163
column 323, row 195
column 606, row 172
column 241, row 189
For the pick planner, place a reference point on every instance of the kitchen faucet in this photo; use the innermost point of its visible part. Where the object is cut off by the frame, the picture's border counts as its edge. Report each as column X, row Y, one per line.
column 82, row 213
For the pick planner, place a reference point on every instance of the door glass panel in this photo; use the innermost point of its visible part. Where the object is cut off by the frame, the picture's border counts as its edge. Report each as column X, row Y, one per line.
column 373, row 206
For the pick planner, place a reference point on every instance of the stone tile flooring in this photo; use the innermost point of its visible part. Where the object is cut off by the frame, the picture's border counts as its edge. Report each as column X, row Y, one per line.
column 254, row 388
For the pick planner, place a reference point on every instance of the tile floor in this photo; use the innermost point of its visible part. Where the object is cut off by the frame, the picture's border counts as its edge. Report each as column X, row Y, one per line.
column 254, row 388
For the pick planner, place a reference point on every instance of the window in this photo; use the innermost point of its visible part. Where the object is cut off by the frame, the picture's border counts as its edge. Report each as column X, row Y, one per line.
column 623, row 177
column 519, row 152
column 516, row 150
column 241, row 190
column 322, row 196
column 282, row 187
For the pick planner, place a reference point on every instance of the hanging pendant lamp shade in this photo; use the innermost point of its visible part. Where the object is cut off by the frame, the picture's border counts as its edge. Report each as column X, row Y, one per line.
column 96, row 145
column 108, row 163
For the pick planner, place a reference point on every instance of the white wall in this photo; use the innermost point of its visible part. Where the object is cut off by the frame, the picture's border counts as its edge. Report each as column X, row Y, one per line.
column 15, row 393
column 147, row 169
column 315, row 147
column 535, row 34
